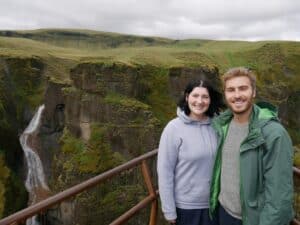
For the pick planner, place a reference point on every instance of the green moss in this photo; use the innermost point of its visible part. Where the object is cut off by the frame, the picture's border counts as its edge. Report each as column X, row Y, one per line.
column 21, row 87
column 70, row 144
column 92, row 157
column 195, row 59
column 297, row 156
column 118, row 201
column 13, row 195
column 154, row 82
column 119, row 100
column 4, row 174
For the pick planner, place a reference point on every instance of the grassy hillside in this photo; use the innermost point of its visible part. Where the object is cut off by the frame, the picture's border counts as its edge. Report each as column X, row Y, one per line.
column 93, row 45
column 275, row 62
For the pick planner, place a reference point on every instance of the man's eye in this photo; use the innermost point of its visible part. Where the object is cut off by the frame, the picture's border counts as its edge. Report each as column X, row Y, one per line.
column 244, row 88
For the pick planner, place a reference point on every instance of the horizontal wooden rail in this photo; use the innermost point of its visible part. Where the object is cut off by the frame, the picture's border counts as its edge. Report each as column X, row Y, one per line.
column 295, row 222
column 42, row 206
column 297, row 173
column 71, row 192
column 127, row 215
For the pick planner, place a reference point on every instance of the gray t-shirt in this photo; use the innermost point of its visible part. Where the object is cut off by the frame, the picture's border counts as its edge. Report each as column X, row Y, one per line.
column 230, row 172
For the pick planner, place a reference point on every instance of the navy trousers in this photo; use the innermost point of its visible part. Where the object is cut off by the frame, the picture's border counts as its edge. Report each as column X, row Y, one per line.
column 193, row 217
column 226, row 219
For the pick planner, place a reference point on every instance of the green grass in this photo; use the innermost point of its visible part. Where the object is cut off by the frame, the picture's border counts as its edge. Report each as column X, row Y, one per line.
column 276, row 62
column 82, row 45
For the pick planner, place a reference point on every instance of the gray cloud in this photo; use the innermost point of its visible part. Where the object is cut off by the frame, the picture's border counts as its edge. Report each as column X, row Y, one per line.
column 213, row 19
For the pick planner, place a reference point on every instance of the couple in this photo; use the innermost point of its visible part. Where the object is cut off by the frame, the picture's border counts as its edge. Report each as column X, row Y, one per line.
column 235, row 169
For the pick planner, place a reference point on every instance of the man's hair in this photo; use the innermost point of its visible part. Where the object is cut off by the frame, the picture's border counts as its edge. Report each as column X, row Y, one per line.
column 240, row 72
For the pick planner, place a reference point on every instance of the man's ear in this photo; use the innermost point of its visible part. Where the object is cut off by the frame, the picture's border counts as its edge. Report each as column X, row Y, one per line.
column 254, row 93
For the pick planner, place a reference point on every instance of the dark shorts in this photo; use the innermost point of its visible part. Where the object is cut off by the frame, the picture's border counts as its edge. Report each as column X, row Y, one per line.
column 194, row 217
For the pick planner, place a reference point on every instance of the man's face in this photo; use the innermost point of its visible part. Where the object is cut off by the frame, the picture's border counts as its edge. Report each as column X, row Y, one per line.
column 239, row 94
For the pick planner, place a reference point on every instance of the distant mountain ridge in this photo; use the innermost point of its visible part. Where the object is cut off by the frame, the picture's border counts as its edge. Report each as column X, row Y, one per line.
column 100, row 39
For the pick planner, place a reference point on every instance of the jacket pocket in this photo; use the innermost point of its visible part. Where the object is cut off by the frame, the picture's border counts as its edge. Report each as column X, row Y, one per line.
column 253, row 204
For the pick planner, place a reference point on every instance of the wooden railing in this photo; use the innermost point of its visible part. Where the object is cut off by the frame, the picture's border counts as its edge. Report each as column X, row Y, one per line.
column 42, row 206
column 297, row 174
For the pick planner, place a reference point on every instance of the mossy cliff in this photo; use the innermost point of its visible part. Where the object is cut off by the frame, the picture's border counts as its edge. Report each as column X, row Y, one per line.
column 107, row 98
column 21, row 91
column 112, row 113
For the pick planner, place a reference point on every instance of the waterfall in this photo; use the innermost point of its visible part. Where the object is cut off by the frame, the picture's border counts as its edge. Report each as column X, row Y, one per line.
column 35, row 180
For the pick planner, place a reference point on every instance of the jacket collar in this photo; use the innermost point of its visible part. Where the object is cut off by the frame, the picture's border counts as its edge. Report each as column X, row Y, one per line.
column 261, row 114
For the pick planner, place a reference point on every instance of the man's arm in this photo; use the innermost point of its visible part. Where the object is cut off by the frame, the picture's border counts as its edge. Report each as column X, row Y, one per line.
column 278, row 178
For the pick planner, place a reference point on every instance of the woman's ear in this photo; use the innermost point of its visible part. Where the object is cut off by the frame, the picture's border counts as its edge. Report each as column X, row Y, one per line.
column 186, row 97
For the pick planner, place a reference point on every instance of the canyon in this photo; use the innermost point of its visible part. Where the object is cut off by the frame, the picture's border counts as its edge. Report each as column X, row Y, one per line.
column 107, row 98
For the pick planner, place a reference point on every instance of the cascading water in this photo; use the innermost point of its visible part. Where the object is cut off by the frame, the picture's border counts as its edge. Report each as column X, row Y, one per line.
column 35, row 181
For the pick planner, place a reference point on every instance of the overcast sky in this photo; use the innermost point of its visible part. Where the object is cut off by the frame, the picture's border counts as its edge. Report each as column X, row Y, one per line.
column 178, row 19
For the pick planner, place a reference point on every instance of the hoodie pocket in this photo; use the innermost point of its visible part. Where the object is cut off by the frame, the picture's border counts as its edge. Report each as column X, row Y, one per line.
column 195, row 191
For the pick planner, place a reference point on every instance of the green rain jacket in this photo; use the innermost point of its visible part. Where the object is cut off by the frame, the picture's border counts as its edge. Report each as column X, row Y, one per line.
column 266, row 172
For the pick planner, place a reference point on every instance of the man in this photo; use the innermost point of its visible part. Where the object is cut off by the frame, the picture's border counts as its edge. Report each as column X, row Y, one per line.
column 252, row 181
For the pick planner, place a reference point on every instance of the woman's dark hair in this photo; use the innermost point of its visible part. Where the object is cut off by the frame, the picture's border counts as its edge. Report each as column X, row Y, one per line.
column 216, row 99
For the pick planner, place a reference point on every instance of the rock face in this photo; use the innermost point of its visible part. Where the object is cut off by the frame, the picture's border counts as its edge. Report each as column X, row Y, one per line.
column 288, row 112
column 21, row 90
column 53, row 122
column 104, row 106
column 179, row 76
column 111, row 113
column 106, row 95
column 108, row 114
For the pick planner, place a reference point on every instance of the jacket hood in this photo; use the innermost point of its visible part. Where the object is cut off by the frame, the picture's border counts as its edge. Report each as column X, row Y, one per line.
column 186, row 119
column 262, row 112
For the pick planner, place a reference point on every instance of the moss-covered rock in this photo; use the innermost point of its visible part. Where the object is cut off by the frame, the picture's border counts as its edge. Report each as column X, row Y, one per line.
column 109, row 105
column 12, row 192
column 4, row 174
column 21, row 91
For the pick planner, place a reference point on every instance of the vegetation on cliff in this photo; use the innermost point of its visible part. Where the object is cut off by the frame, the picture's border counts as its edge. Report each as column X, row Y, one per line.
column 121, row 90
column 80, row 160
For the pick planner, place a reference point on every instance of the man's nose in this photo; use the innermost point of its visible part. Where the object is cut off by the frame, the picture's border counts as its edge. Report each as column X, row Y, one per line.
column 237, row 94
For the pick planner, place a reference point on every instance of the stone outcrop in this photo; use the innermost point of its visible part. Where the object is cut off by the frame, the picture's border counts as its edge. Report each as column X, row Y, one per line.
column 21, row 90
column 125, row 106
column 107, row 95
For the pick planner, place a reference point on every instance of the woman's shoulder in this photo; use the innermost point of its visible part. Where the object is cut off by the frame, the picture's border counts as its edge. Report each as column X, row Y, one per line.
column 174, row 123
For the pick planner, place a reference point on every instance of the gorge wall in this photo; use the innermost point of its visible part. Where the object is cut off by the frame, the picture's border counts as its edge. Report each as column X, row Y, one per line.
column 104, row 112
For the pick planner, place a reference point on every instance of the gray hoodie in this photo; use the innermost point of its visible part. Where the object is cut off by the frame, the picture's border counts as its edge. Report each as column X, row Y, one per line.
column 185, row 161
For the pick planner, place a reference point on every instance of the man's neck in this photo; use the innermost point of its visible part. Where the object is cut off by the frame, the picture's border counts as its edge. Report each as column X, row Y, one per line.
column 242, row 117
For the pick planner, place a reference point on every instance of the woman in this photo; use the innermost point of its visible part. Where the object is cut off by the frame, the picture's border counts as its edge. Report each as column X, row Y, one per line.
column 186, row 156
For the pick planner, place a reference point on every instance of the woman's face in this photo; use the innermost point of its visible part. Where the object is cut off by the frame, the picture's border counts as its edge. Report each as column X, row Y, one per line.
column 198, row 101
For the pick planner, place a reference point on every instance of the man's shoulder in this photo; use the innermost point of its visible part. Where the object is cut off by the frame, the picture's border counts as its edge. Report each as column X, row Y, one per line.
column 274, row 129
